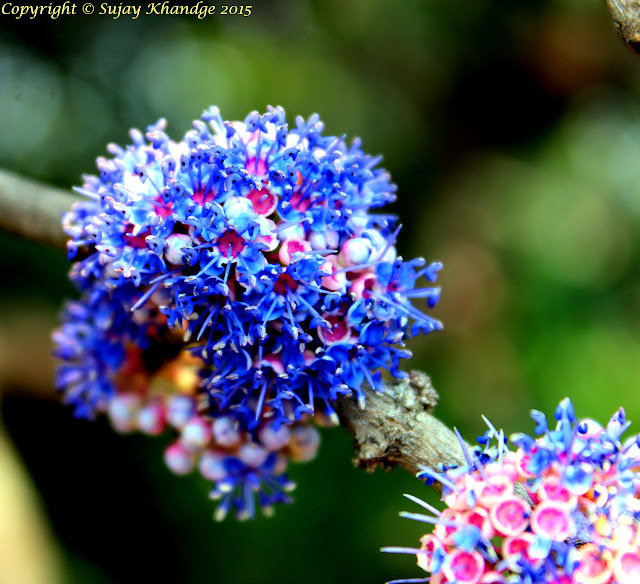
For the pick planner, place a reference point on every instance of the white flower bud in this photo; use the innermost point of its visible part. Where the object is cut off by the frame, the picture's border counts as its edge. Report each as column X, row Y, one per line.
column 225, row 431
column 175, row 244
column 178, row 459
column 123, row 410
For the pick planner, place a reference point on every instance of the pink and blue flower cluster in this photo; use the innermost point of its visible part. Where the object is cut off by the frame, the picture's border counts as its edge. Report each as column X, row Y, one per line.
column 563, row 508
column 247, row 255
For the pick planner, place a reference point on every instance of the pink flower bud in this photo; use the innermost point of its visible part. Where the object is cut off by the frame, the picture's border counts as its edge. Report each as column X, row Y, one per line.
column 304, row 444
column 123, row 412
column 225, row 431
column 355, row 251
column 252, row 454
column 333, row 281
column 326, row 239
column 290, row 247
column 211, row 465
column 196, row 433
column 151, row 418
column 178, row 459
column 273, row 439
column 180, row 410
column 235, row 207
column 361, row 286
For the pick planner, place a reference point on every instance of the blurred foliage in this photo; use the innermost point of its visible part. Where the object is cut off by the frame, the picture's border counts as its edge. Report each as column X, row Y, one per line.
column 513, row 132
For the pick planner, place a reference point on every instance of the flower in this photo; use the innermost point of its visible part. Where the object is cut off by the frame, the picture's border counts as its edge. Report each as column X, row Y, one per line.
column 234, row 284
column 563, row 508
column 144, row 380
column 258, row 244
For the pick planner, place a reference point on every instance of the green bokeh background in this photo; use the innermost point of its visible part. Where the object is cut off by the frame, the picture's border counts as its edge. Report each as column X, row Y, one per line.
column 512, row 129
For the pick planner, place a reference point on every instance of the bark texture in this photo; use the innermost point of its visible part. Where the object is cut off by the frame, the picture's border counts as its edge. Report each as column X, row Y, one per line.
column 626, row 16
column 397, row 427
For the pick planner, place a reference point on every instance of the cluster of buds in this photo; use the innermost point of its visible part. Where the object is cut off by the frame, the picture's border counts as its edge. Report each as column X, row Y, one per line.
column 111, row 359
column 561, row 509
column 236, row 279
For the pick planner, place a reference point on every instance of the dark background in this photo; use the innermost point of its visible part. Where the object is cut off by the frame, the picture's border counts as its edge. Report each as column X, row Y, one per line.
column 513, row 132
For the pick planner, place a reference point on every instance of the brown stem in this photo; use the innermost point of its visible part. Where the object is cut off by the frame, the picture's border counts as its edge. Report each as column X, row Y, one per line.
column 32, row 209
column 626, row 15
column 397, row 429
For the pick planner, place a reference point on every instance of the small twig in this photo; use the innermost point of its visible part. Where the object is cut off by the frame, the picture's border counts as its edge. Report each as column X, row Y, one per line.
column 33, row 210
column 626, row 15
column 397, row 429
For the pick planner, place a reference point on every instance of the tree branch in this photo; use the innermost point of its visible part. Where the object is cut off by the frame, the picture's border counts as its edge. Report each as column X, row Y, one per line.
column 33, row 210
column 626, row 15
column 397, row 428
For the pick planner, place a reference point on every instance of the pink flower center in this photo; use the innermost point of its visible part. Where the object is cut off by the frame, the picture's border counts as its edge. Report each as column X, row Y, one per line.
column 480, row 518
column 510, row 516
column 283, row 282
column 264, row 202
column 230, row 239
column 299, row 203
column 628, row 567
column 550, row 519
column 495, row 491
column 465, row 567
column 593, row 568
column 555, row 492
column 340, row 330
column 260, row 169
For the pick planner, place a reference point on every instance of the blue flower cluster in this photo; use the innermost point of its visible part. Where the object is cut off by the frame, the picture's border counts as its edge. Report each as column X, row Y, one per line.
column 250, row 247
column 563, row 508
